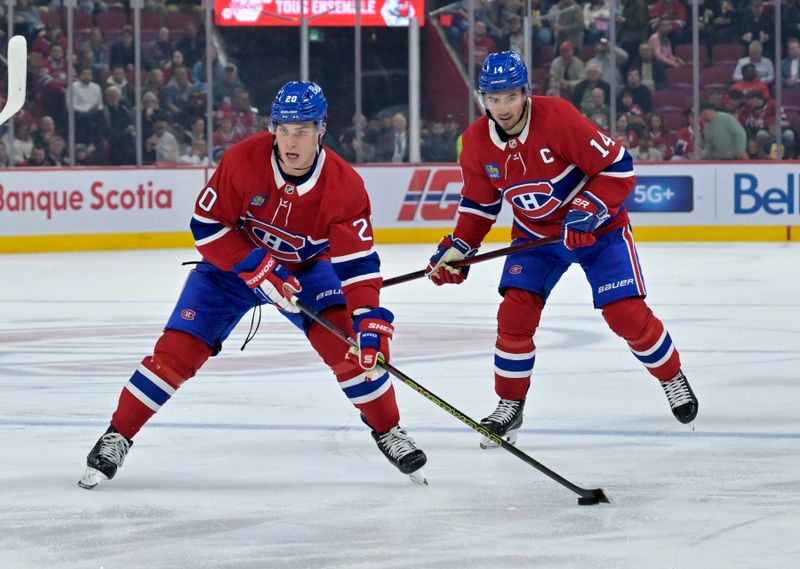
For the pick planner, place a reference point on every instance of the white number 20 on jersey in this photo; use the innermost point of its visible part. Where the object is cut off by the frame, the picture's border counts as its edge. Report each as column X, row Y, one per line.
column 607, row 142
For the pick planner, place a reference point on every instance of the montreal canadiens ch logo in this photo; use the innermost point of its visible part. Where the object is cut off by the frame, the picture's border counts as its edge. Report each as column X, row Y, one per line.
column 534, row 200
column 515, row 269
column 187, row 314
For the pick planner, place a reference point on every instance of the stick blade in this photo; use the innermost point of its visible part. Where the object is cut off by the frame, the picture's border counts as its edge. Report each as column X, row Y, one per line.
column 17, row 77
column 593, row 498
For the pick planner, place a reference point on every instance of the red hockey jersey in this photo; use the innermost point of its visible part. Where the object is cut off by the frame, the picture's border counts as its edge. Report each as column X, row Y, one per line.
column 248, row 203
column 559, row 154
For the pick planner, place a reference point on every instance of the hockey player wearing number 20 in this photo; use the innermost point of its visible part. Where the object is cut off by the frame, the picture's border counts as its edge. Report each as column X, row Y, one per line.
column 281, row 218
column 561, row 176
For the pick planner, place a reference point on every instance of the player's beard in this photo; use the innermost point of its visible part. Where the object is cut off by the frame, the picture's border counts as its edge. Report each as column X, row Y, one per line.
column 521, row 118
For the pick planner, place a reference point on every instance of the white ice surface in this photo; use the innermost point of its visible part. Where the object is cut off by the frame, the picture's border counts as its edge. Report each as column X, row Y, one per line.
column 260, row 461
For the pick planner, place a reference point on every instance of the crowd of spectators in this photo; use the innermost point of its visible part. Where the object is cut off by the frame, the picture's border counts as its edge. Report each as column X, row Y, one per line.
column 173, row 79
column 174, row 94
column 572, row 59
column 653, row 73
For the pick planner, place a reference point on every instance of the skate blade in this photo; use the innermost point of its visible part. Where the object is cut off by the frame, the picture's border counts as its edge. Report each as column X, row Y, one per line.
column 418, row 477
column 91, row 478
column 510, row 437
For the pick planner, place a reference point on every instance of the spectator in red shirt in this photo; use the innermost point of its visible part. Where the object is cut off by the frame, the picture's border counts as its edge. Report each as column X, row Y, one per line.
column 53, row 84
column 757, row 114
column 659, row 137
column 635, row 113
column 672, row 12
column 751, row 82
column 44, row 43
column 227, row 134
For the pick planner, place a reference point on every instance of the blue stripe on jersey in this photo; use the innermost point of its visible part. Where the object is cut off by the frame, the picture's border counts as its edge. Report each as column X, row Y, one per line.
column 514, row 365
column 201, row 230
column 658, row 354
column 415, row 197
column 150, row 389
column 346, row 270
column 365, row 387
column 625, row 164
column 565, row 185
column 492, row 209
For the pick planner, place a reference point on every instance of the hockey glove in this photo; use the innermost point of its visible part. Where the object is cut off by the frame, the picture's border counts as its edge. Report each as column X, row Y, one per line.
column 262, row 273
column 449, row 251
column 579, row 223
column 374, row 331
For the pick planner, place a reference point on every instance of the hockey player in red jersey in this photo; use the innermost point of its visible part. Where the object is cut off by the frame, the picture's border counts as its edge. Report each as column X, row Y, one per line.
column 282, row 217
column 562, row 176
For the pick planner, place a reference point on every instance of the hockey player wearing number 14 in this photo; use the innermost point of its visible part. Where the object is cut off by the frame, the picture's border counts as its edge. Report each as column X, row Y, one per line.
column 561, row 176
column 282, row 217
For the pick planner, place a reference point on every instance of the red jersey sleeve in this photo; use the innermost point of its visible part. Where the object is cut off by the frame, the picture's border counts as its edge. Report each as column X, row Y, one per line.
column 606, row 163
column 218, row 209
column 352, row 252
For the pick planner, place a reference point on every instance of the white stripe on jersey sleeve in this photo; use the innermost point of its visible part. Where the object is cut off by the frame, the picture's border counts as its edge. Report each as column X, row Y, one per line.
column 473, row 211
column 214, row 237
column 351, row 256
column 360, row 278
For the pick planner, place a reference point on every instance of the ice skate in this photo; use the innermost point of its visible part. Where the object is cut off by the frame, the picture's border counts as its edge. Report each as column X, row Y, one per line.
column 105, row 458
column 399, row 448
column 504, row 422
column 681, row 398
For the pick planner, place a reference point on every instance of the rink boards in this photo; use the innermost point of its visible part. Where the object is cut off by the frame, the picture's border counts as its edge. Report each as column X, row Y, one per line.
column 70, row 209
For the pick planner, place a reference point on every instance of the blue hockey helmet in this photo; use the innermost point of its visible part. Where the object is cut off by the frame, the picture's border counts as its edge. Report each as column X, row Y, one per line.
column 299, row 101
column 502, row 71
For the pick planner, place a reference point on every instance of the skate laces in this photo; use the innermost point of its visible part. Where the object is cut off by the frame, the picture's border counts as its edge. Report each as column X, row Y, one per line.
column 114, row 448
column 505, row 411
column 677, row 391
column 397, row 443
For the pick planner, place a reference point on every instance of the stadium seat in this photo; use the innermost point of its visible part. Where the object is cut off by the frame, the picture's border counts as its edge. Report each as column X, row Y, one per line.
column 679, row 76
column 674, row 119
column 52, row 17
column 727, row 52
column 684, row 51
column 672, row 97
column 177, row 20
column 586, row 53
column 82, row 20
column 717, row 75
column 793, row 116
column 546, row 55
column 790, row 98
column 111, row 20
column 539, row 77
column 150, row 21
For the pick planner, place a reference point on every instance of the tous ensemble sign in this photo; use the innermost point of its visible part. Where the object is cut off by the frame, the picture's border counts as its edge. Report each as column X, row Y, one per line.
column 318, row 12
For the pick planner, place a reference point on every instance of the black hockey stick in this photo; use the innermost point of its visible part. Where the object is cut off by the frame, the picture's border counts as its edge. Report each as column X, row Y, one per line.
column 587, row 497
column 476, row 259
